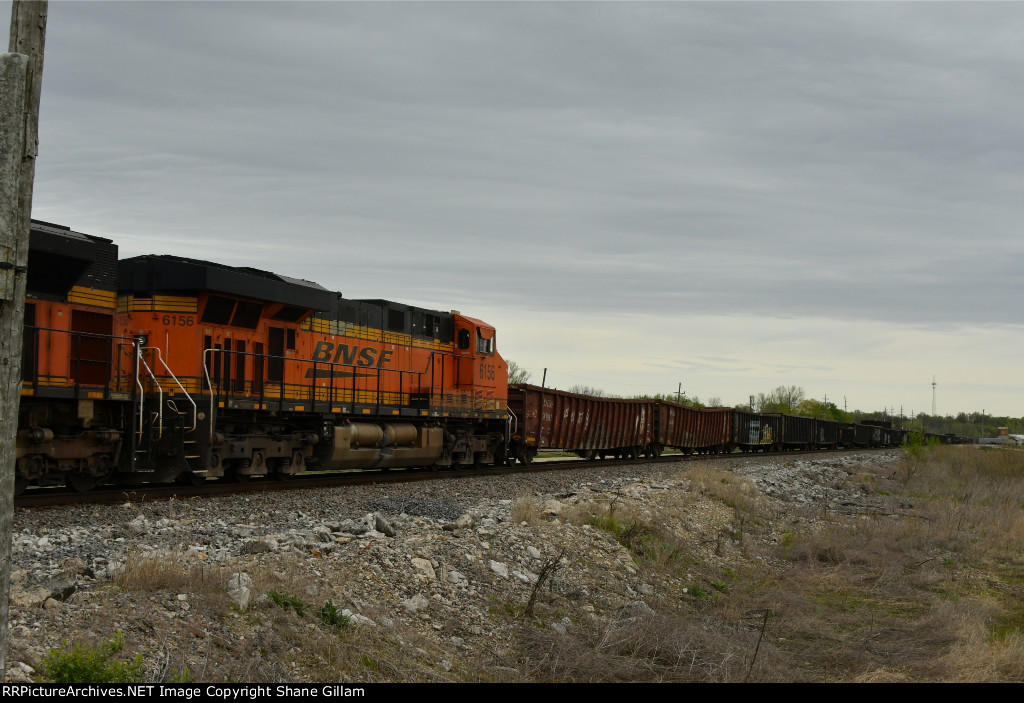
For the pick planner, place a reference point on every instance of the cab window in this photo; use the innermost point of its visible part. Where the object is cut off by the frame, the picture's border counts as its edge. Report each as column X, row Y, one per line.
column 484, row 346
column 463, row 339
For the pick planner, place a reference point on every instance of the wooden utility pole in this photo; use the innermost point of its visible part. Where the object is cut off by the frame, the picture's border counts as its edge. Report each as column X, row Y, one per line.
column 22, row 74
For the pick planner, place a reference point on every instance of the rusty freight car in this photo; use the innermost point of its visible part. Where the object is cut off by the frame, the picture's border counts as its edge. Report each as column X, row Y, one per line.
column 545, row 418
column 701, row 430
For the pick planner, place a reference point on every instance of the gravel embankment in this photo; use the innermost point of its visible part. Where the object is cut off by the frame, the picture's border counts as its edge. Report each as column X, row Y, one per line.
column 425, row 557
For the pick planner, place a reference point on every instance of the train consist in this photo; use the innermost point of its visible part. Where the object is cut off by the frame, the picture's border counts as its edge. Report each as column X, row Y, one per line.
column 155, row 369
column 544, row 418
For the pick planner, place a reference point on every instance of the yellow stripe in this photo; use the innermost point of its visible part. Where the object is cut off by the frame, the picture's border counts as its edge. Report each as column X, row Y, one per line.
column 158, row 303
column 91, row 296
column 343, row 329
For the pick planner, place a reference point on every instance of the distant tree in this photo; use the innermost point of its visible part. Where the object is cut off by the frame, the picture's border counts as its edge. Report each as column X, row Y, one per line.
column 826, row 411
column 679, row 399
column 516, row 373
column 714, row 402
column 784, row 399
column 588, row 390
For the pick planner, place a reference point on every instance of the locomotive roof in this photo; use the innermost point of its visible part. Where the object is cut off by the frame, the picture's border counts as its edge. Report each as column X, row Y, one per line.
column 46, row 236
column 150, row 273
column 60, row 258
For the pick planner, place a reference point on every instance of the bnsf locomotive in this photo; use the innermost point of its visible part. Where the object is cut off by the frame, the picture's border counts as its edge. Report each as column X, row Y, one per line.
column 162, row 368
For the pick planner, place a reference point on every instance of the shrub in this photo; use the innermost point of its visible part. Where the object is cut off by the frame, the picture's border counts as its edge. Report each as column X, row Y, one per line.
column 87, row 664
column 332, row 616
column 286, row 601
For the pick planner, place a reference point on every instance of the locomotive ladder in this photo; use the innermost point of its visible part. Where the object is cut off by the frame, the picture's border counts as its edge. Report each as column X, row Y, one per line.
column 157, row 417
column 188, row 433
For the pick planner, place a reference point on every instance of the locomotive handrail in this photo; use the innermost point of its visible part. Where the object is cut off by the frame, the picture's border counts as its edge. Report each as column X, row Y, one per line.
column 98, row 335
column 209, row 384
column 78, row 335
column 314, row 364
column 160, row 391
column 195, row 408
column 509, row 429
column 142, row 398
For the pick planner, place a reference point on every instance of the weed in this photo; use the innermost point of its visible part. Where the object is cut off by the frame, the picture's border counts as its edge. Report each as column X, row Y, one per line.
column 332, row 616
column 698, row 592
column 87, row 664
column 182, row 676
column 525, row 510
column 286, row 601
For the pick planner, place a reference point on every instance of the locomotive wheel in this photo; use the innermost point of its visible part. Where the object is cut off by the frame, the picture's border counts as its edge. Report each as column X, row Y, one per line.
column 279, row 468
column 20, row 484
column 83, row 483
column 192, row 479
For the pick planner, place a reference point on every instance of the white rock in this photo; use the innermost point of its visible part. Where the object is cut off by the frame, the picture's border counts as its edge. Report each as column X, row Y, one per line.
column 415, row 604
column 424, row 567
column 552, row 507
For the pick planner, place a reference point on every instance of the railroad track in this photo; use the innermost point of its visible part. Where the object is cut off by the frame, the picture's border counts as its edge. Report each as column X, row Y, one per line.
column 47, row 497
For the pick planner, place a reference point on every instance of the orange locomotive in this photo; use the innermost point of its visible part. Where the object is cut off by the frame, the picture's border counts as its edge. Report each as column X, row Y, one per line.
column 206, row 370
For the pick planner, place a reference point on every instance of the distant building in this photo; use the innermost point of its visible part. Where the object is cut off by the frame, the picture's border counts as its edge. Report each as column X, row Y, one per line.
column 1003, row 439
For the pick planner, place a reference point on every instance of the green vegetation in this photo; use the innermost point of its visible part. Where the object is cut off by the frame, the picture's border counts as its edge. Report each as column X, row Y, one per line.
column 516, row 373
column 332, row 616
column 88, row 664
column 287, row 601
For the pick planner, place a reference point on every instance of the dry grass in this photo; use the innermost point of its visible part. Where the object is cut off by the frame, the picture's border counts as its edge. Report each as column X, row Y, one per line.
column 649, row 648
column 526, row 509
column 928, row 589
column 170, row 571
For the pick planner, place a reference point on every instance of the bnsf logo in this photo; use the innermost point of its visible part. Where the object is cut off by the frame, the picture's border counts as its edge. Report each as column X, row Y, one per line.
column 350, row 355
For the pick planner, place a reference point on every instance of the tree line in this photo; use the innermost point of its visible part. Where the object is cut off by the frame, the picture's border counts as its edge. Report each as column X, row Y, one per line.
column 792, row 400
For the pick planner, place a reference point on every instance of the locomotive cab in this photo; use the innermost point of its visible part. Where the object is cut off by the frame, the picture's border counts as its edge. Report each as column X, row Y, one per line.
column 482, row 373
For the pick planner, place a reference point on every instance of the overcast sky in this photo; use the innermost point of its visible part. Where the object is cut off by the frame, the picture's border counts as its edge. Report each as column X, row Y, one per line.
column 731, row 196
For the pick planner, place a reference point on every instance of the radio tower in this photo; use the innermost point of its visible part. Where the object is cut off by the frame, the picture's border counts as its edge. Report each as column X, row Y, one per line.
column 933, row 395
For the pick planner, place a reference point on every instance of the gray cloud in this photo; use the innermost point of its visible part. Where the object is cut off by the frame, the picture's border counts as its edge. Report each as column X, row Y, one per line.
column 859, row 160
